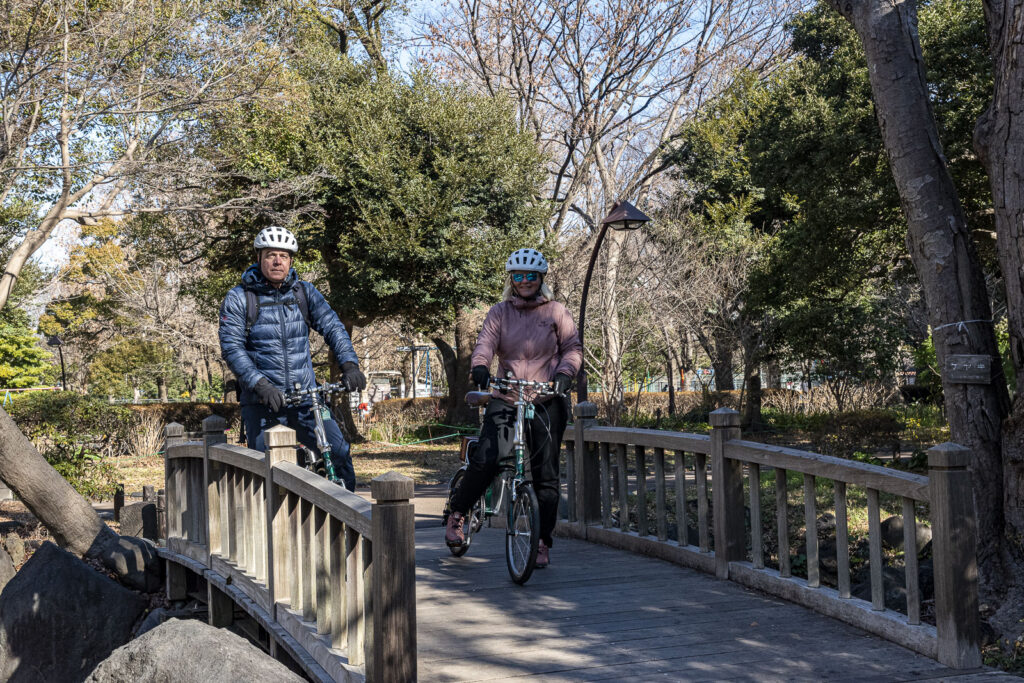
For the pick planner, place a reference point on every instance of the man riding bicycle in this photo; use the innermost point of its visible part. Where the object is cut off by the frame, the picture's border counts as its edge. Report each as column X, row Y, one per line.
column 264, row 338
column 535, row 339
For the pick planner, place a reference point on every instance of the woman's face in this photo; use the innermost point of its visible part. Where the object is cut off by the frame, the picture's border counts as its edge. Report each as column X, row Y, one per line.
column 525, row 287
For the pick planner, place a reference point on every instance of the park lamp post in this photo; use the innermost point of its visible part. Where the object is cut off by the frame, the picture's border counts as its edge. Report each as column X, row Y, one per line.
column 56, row 341
column 623, row 216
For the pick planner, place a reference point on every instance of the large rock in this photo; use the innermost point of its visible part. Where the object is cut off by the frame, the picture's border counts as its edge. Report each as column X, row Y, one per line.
column 139, row 519
column 15, row 548
column 6, row 568
column 59, row 618
column 189, row 651
column 135, row 562
column 892, row 533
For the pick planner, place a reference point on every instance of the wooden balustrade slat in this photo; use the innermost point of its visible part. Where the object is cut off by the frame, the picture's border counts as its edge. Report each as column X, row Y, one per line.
column 811, row 533
column 366, row 623
column 682, row 518
column 620, row 460
column 641, row 491
column 259, row 531
column 756, row 541
column 336, row 553
column 304, row 539
column 700, row 467
column 606, row 485
column 355, row 596
column 875, row 552
column 837, row 469
column 782, row 521
column 910, row 562
column 570, row 480
column 294, row 561
column 232, row 515
column 247, row 524
column 322, row 574
column 661, row 523
column 213, row 523
column 842, row 540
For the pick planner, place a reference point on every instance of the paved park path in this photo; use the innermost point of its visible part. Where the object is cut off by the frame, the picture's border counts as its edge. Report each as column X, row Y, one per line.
column 604, row 614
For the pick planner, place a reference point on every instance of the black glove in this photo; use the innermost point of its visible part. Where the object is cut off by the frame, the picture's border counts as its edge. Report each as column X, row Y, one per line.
column 270, row 396
column 561, row 383
column 352, row 377
column 481, row 376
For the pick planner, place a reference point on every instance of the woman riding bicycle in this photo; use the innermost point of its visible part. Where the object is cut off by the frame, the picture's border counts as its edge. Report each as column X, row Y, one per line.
column 535, row 339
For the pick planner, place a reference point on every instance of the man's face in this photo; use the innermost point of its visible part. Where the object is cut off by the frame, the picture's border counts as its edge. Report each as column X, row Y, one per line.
column 275, row 264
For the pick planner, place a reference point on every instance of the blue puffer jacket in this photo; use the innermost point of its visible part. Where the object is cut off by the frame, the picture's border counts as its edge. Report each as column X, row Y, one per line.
column 278, row 343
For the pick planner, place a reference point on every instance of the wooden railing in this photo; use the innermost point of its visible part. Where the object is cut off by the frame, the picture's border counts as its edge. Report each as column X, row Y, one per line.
column 328, row 576
column 608, row 472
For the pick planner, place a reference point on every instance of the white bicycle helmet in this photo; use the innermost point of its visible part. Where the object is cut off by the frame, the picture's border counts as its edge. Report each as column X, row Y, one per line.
column 528, row 260
column 276, row 237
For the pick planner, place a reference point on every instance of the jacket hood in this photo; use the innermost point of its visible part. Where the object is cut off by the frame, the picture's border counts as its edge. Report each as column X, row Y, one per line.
column 253, row 279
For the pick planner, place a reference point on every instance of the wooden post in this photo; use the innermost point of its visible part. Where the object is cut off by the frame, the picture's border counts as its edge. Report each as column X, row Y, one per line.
column 118, row 502
column 956, row 567
column 394, row 580
column 174, row 434
column 726, row 492
column 213, row 434
column 148, row 494
column 280, row 442
column 588, row 472
column 161, row 516
column 220, row 608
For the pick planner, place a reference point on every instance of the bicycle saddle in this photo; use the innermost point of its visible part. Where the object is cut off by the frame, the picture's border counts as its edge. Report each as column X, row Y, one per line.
column 477, row 398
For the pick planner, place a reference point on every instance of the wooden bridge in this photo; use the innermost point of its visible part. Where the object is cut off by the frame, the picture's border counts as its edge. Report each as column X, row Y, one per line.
column 344, row 589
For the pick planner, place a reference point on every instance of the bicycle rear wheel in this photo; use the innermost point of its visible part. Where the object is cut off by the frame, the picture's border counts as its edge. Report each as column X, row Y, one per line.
column 523, row 534
column 472, row 521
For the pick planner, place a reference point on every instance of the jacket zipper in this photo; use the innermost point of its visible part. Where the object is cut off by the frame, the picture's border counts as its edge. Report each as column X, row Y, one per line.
column 284, row 339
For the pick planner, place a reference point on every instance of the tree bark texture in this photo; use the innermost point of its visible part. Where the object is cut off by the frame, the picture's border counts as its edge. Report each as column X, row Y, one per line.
column 999, row 141
column 457, row 366
column 942, row 252
column 721, row 361
column 69, row 518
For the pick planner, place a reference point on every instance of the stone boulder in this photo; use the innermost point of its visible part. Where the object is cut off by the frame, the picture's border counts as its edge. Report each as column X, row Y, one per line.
column 892, row 533
column 6, row 568
column 189, row 651
column 139, row 519
column 135, row 562
column 15, row 548
column 59, row 618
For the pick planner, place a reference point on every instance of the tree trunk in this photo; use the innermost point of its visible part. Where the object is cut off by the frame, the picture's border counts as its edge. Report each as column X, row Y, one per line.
column 773, row 375
column 752, row 406
column 721, row 361
column 161, row 389
column 342, row 407
column 612, row 367
column 75, row 526
column 457, row 368
column 999, row 141
column 670, row 370
column 942, row 252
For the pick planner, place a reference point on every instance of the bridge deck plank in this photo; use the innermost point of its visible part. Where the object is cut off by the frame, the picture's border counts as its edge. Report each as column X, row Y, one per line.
column 604, row 614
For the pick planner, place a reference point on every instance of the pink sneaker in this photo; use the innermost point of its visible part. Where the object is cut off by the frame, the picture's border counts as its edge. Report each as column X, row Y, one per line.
column 543, row 557
column 453, row 534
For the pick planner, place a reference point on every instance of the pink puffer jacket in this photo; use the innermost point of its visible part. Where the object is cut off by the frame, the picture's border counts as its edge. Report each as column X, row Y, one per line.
column 534, row 339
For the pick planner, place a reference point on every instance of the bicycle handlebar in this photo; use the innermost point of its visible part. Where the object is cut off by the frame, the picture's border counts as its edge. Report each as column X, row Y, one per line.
column 296, row 395
column 507, row 383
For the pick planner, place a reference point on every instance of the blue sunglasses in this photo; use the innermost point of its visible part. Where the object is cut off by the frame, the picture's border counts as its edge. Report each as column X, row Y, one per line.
column 519, row 277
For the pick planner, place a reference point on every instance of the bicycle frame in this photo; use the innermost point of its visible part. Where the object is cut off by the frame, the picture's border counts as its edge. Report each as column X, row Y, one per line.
column 322, row 444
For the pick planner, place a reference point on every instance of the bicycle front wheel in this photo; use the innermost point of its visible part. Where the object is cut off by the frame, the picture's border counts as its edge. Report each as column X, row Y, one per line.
column 523, row 534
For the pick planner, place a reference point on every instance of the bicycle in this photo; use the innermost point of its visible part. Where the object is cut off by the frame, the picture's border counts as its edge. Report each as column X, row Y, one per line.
column 510, row 491
column 322, row 465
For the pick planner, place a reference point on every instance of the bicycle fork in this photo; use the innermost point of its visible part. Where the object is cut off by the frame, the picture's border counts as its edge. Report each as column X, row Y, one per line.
column 321, row 439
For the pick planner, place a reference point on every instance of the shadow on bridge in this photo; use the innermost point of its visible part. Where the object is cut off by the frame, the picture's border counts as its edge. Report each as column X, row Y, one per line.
column 603, row 614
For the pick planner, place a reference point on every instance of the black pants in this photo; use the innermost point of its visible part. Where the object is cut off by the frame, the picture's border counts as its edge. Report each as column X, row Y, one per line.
column 543, row 442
